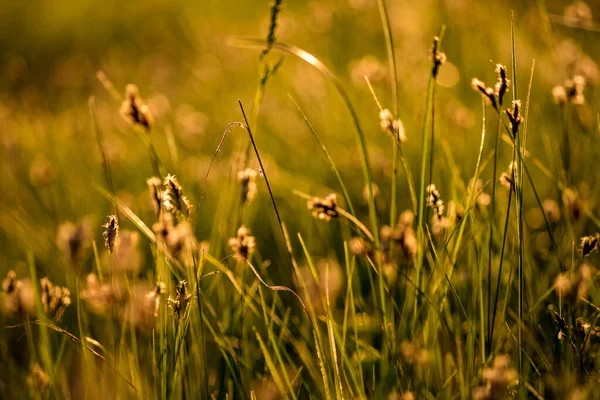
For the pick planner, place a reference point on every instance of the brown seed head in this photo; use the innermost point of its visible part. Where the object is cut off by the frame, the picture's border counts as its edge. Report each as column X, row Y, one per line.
column 180, row 303
column 391, row 126
column 515, row 117
column 173, row 199
column 243, row 244
column 502, row 84
column 486, row 92
column 156, row 192
column 55, row 299
column 247, row 179
column 134, row 110
column 438, row 57
column 589, row 244
column 434, row 200
column 111, row 232
column 324, row 208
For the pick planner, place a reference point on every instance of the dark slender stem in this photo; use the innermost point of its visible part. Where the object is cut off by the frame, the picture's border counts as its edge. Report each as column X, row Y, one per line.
column 264, row 173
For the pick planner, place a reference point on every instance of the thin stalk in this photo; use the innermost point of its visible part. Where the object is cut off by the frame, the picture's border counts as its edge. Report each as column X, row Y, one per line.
column 403, row 159
column 359, row 135
column 329, row 158
column 495, row 308
column 421, row 203
column 427, row 126
column 492, row 216
column 389, row 44
column 519, row 205
column 262, row 168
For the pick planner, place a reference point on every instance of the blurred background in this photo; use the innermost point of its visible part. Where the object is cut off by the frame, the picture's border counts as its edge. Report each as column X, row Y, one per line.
column 177, row 54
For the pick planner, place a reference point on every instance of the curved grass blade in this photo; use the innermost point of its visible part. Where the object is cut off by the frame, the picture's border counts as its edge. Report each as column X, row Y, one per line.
column 360, row 137
column 328, row 156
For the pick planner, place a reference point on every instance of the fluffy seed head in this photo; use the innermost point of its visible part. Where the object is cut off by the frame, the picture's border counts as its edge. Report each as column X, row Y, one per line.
column 173, row 199
column 324, row 208
column 515, row 117
column 243, row 244
column 247, row 179
column 502, row 84
column 589, row 244
column 156, row 192
column 153, row 296
column 98, row 297
column 134, row 110
column 55, row 299
column 73, row 239
column 18, row 299
column 434, row 200
column 391, row 126
column 486, row 92
column 111, row 232
column 180, row 303
column 438, row 57
column 559, row 95
column 37, row 379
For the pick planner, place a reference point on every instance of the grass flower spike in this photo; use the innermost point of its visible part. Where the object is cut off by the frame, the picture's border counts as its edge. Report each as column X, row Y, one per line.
column 111, row 232
column 134, row 110
column 324, row 208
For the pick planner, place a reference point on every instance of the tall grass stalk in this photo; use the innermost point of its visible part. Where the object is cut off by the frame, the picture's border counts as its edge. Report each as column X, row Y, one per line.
column 519, row 205
column 427, row 125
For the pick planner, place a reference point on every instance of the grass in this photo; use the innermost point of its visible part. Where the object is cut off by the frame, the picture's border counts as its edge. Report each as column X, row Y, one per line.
column 323, row 271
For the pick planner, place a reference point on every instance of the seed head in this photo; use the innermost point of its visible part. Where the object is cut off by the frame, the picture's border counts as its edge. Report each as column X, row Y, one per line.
column 515, row 117
column 156, row 192
column 134, row 110
column 180, row 303
column 324, row 208
column 434, row 201
column 247, row 179
column 153, row 296
column 18, row 299
column 404, row 234
column 499, row 377
column 573, row 204
column 391, row 126
column 98, row 297
column 173, row 198
column 38, row 380
column 358, row 246
column 55, row 299
column 559, row 94
column 589, row 244
column 502, row 84
column 574, row 88
column 243, row 244
column 438, row 57
column 551, row 210
column 10, row 284
column 486, row 92
column 570, row 92
column 111, row 232
column 178, row 239
column 73, row 239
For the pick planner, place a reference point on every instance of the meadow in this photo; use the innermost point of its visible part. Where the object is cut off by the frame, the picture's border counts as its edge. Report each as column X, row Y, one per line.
column 326, row 199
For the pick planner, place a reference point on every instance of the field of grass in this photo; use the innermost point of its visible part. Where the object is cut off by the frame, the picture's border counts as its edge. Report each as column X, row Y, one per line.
column 326, row 199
